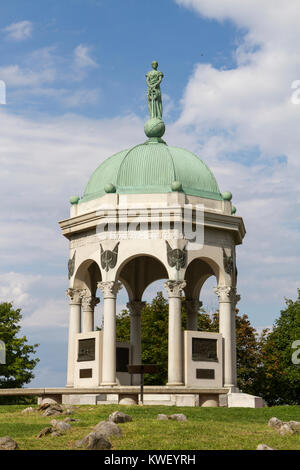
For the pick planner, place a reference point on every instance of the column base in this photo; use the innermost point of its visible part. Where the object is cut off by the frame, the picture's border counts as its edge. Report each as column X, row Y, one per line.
column 175, row 384
column 108, row 384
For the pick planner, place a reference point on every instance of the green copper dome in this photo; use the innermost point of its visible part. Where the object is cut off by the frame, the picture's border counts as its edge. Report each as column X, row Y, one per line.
column 153, row 167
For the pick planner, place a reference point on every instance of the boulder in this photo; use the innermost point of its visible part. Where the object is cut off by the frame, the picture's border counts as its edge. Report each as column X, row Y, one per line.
column 44, row 432
column 94, row 441
column 295, row 425
column 162, row 417
column 178, row 417
column 286, row 429
column 51, row 412
column 70, row 420
column 264, row 447
column 55, row 434
column 7, row 443
column 60, row 425
column 119, row 417
column 28, row 410
column 108, row 428
column 275, row 423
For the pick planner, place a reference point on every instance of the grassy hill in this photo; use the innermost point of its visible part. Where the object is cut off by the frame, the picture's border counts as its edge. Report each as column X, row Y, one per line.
column 206, row 428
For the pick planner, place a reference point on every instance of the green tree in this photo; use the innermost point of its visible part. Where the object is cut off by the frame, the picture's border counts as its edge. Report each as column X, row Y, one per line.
column 19, row 365
column 278, row 378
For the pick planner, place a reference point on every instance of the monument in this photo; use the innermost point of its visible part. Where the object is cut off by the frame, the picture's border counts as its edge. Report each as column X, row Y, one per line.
column 126, row 230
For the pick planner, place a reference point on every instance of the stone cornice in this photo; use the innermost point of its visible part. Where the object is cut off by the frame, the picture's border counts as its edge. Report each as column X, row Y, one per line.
column 212, row 219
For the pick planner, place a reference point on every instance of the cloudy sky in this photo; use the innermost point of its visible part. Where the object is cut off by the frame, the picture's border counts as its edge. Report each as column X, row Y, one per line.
column 75, row 93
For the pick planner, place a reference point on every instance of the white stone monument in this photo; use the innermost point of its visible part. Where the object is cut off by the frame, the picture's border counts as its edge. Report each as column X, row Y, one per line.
column 134, row 225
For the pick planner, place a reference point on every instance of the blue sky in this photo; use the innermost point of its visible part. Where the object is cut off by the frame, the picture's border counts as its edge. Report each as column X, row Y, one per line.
column 75, row 77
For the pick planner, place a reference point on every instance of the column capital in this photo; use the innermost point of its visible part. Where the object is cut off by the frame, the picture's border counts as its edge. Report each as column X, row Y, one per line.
column 110, row 288
column 75, row 295
column 89, row 302
column 225, row 293
column 135, row 307
column 174, row 288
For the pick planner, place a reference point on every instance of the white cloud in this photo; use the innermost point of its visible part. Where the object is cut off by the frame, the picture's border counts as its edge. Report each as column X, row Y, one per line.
column 18, row 31
column 14, row 287
column 82, row 57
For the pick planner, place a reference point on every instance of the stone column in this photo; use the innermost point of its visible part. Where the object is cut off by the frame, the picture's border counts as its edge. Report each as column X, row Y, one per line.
column 175, row 342
column 235, row 300
column 110, row 290
column 226, row 328
column 88, row 304
column 135, row 307
column 75, row 296
column 192, row 309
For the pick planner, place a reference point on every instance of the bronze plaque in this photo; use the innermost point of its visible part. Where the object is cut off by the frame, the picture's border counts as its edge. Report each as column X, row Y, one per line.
column 86, row 350
column 204, row 349
column 122, row 359
column 85, row 373
column 205, row 374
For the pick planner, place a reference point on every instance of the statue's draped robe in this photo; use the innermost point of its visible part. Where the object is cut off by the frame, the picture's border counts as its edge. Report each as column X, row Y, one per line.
column 154, row 77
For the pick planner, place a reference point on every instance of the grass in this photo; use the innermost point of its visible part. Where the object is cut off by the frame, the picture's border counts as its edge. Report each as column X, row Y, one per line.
column 206, row 428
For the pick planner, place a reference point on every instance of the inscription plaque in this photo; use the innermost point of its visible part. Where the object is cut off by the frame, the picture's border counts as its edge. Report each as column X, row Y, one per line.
column 204, row 349
column 85, row 373
column 122, row 359
column 86, row 350
column 205, row 374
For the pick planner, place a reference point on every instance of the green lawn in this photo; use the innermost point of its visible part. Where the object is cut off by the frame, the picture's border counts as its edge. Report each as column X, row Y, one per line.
column 206, row 428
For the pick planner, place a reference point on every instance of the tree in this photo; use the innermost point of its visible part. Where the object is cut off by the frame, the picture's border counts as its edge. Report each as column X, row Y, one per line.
column 19, row 365
column 278, row 378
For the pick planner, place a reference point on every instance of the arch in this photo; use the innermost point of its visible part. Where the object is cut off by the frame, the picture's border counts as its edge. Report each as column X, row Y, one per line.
column 87, row 276
column 138, row 272
column 197, row 272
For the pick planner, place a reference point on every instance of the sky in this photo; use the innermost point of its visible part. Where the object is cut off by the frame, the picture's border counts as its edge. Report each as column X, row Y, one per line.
column 74, row 72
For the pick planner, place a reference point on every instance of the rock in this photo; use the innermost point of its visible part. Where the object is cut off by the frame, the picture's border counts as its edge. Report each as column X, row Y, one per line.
column 60, row 425
column 286, row 429
column 162, row 417
column 50, row 412
column 28, row 410
column 264, row 447
column 119, row 417
column 44, row 432
column 275, row 423
column 68, row 412
column 55, row 434
column 295, row 425
column 108, row 428
column 70, row 420
column 178, row 417
column 7, row 443
column 94, row 441
column 43, row 406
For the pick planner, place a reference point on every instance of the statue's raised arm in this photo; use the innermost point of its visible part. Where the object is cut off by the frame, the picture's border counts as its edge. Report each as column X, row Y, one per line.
column 153, row 80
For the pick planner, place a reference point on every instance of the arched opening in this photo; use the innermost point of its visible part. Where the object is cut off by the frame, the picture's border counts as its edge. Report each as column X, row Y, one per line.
column 138, row 274
column 87, row 276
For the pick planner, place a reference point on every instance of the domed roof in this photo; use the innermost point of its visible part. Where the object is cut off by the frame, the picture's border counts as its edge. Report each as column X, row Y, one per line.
column 152, row 167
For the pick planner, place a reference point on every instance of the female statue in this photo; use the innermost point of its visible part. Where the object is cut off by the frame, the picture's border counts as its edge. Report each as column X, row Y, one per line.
column 153, row 79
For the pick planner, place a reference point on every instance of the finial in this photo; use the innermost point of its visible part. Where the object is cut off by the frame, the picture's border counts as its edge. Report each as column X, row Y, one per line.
column 154, row 127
